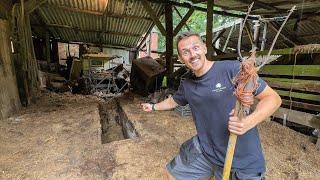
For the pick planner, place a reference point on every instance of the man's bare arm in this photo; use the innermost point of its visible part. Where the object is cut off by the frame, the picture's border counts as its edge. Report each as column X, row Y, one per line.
column 269, row 102
column 166, row 104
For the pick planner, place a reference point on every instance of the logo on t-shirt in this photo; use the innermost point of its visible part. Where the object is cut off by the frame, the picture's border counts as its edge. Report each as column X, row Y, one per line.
column 218, row 88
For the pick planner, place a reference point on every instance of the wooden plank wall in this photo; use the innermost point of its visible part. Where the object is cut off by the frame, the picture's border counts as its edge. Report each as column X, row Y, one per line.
column 299, row 88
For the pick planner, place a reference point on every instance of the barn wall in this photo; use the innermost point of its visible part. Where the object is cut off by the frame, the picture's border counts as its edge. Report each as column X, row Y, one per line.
column 9, row 96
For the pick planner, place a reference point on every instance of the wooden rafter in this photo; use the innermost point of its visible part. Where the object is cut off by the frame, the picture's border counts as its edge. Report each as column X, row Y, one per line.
column 31, row 5
column 97, row 13
column 285, row 35
column 44, row 21
column 179, row 14
column 263, row 5
column 197, row 8
column 153, row 16
column 183, row 21
column 90, row 30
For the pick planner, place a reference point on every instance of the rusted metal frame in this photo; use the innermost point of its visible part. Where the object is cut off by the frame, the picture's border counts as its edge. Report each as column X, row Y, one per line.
column 183, row 21
column 179, row 14
column 209, row 30
column 169, row 38
column 188, row 5
column 153, row 16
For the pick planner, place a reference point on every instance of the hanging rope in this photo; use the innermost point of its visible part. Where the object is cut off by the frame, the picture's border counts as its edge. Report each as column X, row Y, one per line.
column 247, row 75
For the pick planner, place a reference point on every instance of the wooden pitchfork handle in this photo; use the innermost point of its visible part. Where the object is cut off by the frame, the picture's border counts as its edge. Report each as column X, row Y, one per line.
column 240, row 111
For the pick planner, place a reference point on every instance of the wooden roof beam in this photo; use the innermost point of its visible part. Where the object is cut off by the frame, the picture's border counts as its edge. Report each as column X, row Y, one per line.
column 97, row 13
column 31, row 5
column 286, row 36
column 263, row 5
column 188, row 5
column 154, row 17
column 183, row 21
column 90, row 30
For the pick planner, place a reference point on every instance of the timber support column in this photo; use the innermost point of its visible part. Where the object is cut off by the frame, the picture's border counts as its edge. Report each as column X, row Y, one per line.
column 209, row 30
column 169, row 41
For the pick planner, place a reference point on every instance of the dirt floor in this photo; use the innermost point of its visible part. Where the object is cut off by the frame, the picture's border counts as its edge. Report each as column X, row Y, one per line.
column 60, row 137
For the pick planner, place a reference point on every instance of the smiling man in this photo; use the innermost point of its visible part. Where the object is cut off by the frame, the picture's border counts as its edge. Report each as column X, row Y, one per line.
column 209, row 94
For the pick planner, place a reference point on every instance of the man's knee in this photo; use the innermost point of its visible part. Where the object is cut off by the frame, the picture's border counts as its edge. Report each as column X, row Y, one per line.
column 169, row 176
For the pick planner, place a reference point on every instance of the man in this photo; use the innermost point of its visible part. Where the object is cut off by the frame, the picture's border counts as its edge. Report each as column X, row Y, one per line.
column 210, row 96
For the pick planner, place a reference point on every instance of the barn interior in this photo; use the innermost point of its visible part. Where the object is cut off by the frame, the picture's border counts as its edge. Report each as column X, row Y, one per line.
column 73, row 75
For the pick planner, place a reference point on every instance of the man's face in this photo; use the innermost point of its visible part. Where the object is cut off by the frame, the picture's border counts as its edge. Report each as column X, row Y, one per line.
column 192, row 52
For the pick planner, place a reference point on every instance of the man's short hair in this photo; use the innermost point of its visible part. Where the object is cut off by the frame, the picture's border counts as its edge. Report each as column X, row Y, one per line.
column 185, row 35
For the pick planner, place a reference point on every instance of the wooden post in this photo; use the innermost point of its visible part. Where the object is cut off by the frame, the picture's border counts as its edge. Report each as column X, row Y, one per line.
column 209, row 29
column 48, row 49
column 169, row 38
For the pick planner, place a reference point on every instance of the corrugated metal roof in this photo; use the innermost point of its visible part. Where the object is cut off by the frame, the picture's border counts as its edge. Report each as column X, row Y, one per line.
column 108, row 22
column 123, row 22
column 302, row 28
column 270, row 7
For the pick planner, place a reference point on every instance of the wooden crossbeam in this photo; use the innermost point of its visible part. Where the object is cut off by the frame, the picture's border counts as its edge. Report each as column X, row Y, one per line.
column 293, row 41
column 98, row 13
column 31, row 5
column 311, row 97
column 301, row 105
column 153, row 16
column 296, row 84
column 91, row 30
column 183, row 21
column 263, row 5
column 285, row 51
column 179, row 14
column 288, row 70
column 298, row 117
column 188, row 5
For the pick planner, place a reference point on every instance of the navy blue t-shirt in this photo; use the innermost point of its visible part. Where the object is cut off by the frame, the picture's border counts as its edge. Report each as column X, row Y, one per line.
column 211, row 99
